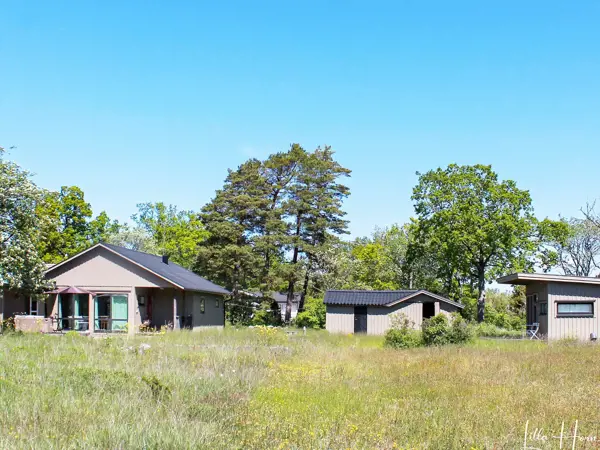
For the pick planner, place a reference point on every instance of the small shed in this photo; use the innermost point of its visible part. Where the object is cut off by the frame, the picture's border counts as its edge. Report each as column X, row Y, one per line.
column 564, row 306
column 354, row 311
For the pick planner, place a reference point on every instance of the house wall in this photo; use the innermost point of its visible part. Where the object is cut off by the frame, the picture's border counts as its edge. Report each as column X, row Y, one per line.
column 340, row 319
column 100, row 268
column 162, row 306
column 379, row 318
column 11, row 303
column 572, row 327
column 213, row 316
column 446, row 308
column 141, row 312
column 188, row 303
column 282, row 307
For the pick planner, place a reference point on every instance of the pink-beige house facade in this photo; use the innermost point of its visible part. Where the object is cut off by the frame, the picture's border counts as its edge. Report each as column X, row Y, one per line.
column 110, row 288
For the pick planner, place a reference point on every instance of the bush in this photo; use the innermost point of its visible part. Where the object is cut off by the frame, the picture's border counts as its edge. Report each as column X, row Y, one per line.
column 461, row 331
column 267, row 314
column 440, row 331
column 436, row 330
column 402, row 334
column 489, row 330
column 313, row 315
column 502, row 309
column 402, row 338
column 8, row 325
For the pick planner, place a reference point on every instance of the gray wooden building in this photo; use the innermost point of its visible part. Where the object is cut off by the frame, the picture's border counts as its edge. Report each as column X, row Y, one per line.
column 110, row 288
column 369, row 311
column 563, row 306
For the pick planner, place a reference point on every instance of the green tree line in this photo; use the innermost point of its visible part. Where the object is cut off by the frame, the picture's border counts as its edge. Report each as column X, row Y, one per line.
column 278, row 225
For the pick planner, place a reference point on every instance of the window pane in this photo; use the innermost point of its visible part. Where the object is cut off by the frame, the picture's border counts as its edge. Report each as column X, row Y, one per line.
column 575, row 308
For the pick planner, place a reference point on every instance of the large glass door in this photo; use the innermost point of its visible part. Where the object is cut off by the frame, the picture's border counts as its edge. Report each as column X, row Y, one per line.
column 111, row 312
column 118, row 312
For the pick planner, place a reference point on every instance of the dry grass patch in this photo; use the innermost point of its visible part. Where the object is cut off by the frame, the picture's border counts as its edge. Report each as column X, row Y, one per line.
column 241, row 389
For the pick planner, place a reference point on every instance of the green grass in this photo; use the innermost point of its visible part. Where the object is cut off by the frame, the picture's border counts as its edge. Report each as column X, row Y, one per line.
column 256, row 389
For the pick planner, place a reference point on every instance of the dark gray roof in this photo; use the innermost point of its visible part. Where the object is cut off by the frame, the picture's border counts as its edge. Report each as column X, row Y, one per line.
column 377, row 298
column 173, row 272
column 281, row 297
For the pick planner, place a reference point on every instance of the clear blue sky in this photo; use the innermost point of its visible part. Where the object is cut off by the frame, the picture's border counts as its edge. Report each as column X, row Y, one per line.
column 154, row 100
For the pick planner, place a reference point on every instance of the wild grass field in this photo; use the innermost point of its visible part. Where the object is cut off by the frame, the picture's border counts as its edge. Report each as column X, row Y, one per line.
column 250, row 389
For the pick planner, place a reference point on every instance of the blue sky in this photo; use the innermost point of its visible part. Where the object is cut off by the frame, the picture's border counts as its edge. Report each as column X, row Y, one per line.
column 154, row 100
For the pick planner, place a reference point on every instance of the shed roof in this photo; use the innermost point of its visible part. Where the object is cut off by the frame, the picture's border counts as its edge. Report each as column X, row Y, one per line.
column 281, row 297
column 379, row 298
column 171, row 272
column 528, row 278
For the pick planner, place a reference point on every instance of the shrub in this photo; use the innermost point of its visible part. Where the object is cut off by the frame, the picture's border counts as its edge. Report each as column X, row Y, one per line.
column 440, row 331
column 489, row 330
column 502, row 310
column 395, row 338
column 461, row 331
column 267, row 314
column 402, row 334
column 436, row 330
column 313, row 315
column 8, row 325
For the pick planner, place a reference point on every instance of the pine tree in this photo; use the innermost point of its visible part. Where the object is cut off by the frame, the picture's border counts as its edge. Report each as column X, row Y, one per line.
column 314, row 208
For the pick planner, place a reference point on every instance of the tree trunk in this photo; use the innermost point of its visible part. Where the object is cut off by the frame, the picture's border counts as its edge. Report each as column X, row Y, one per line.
column 305, row 287
column 235, row 291
column 291, row 284
column 481, row 299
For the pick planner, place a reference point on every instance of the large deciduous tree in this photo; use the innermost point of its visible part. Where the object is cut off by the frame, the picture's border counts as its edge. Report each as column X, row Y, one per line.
column 67, row 225
column 134, row 238
column 172, row 232
column 576, row 245
column 481, row 227
column 21, row 268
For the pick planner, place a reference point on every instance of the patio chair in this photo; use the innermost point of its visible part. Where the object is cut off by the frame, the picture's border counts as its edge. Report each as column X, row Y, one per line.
column 532, row 331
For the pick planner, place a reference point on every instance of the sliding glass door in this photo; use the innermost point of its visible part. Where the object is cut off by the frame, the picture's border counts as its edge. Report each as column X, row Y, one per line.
column 118, row 312
column 111, row 312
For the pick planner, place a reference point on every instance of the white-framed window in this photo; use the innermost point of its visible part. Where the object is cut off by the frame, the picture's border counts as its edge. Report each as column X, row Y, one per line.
column 33, row 307
column 216, row 303
column 202, row 305
column 575, row 309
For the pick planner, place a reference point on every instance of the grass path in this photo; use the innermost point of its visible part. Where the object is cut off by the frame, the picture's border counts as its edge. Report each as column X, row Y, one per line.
column 241, row 389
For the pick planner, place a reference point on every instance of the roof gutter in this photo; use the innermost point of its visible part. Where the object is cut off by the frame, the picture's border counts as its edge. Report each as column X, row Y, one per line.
column 528, row 278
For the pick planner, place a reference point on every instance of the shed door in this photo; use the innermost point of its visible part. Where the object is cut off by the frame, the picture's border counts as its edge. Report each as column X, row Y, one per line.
column 360, row 319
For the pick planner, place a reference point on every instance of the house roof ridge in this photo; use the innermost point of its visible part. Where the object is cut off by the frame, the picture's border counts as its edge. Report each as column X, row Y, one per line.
column 375, row 290
column 108, row 244
column 173, row 273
